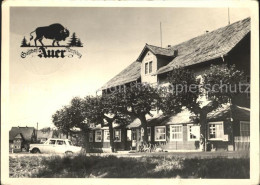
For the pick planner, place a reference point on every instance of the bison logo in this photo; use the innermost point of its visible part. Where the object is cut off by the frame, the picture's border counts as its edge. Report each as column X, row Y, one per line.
column 56, row 32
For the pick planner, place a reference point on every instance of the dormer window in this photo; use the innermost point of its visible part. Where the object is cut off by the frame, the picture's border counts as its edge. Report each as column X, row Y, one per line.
column 148, row 67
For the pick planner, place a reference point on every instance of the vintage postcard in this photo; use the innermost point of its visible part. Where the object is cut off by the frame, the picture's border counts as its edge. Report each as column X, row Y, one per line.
column 130, row 92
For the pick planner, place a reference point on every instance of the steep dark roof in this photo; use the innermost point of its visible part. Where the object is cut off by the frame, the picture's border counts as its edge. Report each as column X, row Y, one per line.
column 26, row 132
column 129, row 74
column 208, row 46
column 200, row 49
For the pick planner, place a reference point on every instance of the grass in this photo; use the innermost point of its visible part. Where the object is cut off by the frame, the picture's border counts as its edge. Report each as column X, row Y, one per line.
column 127, row 167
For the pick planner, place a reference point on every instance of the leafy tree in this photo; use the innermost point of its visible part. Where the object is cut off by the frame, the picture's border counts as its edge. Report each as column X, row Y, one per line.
column 72, row 116
column 73, row 40
column 105, row 109
column 61, row 120
column 137, row 101
column 46, row 129
column 204, row 95
column 24, row 43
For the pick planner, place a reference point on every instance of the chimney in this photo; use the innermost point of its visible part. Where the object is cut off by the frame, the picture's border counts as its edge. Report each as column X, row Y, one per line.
column 175, row 53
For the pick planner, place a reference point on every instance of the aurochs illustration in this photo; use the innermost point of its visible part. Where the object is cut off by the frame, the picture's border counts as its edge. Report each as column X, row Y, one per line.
column 55, row 32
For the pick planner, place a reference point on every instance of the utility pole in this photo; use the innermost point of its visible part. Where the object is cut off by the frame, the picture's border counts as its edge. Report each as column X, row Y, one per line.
column 161, row 32
column 228, row 17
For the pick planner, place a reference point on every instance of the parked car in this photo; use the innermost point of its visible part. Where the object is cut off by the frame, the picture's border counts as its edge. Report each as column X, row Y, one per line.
column 55, row 146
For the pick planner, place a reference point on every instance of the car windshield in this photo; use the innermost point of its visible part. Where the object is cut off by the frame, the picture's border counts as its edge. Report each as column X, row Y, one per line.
column 70, row 143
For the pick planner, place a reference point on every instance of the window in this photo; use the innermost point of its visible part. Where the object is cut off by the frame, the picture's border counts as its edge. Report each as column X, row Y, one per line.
column 216, row 131
column 91, row 137
column 129, row 135
column 98, row 136
column 52, row 142
column 150, row 67
column 146, row 68
column 193, row 132
column 176, row 133
column 148, row 133
column 244, row 128
column 61, row 142
column 106, row 136
column 160, row 133
column 117, row 135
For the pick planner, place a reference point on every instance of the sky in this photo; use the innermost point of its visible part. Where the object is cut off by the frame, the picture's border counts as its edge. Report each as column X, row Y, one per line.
column 112, row 39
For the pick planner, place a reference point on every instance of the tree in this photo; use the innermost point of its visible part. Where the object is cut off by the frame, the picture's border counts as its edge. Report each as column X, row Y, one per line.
column 204, row 95
column 137, row 101
column 72, row 116
column 103, row 109
column 61, row 120
column 79, row 43
column 73, row 40
column 46, row 129
column 24, row 42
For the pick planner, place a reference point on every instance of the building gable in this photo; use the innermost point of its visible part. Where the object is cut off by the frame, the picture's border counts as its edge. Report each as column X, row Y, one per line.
column 199, row 50
column 148, row 68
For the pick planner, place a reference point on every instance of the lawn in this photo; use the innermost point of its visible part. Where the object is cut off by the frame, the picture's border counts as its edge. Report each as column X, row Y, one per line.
column 128, row 167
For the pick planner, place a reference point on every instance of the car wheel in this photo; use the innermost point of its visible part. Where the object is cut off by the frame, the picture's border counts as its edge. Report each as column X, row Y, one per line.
column 69, row 153
column 36, row 150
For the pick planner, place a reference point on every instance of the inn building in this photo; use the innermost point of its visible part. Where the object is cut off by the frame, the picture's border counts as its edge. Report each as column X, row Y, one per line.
column 228, row 129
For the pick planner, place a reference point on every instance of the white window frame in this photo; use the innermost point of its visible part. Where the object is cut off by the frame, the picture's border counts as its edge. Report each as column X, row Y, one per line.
column 90, row 137
column 119, row 135
column 180, row 132
column 216, row 123
column 106, row 134
column 160, row 133
column 188, row 132
column 244, row 122
column 96, row 138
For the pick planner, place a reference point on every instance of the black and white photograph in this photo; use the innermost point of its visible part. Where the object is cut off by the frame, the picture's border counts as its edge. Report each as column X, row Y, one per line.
column 130, row 92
